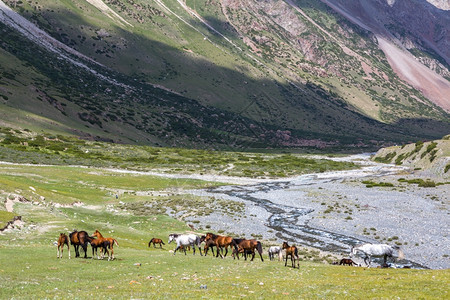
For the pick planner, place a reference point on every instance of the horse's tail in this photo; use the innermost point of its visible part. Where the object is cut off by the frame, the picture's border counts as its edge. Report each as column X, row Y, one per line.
column 259, row 247
column 162, row 242
column 401, row 254
column 116, row 242
column 296, row 251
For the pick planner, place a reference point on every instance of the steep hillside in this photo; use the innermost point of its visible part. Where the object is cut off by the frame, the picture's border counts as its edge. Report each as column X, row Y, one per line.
column 415, row 38
column 201, row 73
column 431, row 158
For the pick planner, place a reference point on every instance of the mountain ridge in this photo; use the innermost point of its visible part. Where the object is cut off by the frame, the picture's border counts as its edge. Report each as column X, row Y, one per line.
column 283, row 103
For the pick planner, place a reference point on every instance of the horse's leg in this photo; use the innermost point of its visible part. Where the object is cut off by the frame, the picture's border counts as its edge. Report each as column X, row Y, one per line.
column 112, row 251
column 367, row 260
column 85, row 249
column 176, row 250
column 57, row 252
column 77, row 253
column 285, row 263
column 260, row 255
column 226, row 251
column 253, row 255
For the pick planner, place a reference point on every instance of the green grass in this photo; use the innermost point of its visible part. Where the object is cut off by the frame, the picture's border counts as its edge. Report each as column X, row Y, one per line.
column 23, row 146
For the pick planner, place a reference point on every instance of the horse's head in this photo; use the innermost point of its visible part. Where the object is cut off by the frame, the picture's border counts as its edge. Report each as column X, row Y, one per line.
column 285, row 245
column 202, row 238
column 209, row 236
column 172, row 237
column 97, row 234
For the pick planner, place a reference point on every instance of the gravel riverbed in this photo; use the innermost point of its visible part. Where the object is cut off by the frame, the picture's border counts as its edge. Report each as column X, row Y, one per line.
column 332, row 211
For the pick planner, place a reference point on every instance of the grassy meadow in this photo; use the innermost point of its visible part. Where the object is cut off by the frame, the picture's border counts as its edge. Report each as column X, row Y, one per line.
column 66, row 196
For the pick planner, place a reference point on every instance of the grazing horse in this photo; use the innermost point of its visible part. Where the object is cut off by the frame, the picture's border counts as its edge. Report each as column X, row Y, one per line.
column 370, row 250
column 111, row 241
column 156, row 241
column 184, row 240
column 80, row 238
column 248, row 247
column 347, row 262
column 63, row 240
column 275, row 250
column 293, row 252
column 221, row 242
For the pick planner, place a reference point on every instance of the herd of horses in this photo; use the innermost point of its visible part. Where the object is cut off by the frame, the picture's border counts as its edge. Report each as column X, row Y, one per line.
column 82, row 239
column 237, row 246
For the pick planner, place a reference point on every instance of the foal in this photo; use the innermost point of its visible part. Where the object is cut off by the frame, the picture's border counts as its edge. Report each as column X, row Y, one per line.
column 63, row 240
column 293, row 252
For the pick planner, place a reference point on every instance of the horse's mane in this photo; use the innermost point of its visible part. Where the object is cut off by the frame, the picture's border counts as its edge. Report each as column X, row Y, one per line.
column 213, row 235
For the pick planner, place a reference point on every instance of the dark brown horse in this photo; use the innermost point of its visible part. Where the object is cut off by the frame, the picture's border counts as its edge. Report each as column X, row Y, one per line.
column 156, row 241
column 208, row 244
column 63, row 240
column 293, row 252
column 248, row 247
column 103, row 244
column 80, row 238
column 111, row 241
column 348, row 262
column 221, row 242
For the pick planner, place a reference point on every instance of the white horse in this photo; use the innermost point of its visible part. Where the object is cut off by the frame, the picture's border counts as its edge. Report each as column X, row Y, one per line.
column 275, row 250
column 185, row 240
column 370, row 250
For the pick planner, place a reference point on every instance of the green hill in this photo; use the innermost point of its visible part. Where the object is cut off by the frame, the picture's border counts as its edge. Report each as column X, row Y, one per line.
column 431, row 157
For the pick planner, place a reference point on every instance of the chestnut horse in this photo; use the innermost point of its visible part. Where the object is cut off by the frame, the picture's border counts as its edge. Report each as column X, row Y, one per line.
column 293, row 252
column 249, row 246
column 80, row 238
column 103, row 244
column 111, row 241
column 156, row 241
column 221, row 242
column 63, row 240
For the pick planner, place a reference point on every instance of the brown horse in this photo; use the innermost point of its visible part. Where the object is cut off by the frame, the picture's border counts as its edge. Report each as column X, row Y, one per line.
column 156, row 241
column 63, row 240
column 103, row 244
column 248, row 247
column 293, row 252
column 221, row 242
column 348, row 262
column 111, row 241
column 80, row 238
column 209, row 244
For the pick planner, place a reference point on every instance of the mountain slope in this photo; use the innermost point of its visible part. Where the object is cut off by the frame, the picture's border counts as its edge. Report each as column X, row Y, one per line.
column 196, row 73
